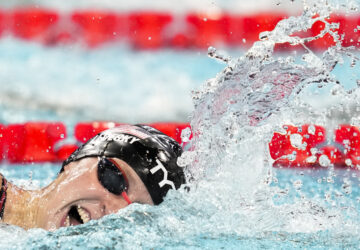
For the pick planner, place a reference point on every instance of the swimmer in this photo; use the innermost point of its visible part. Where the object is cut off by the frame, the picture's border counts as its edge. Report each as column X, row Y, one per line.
column 120, row 166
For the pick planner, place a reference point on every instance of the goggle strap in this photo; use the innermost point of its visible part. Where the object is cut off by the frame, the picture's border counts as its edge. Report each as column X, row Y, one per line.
column 126, row 197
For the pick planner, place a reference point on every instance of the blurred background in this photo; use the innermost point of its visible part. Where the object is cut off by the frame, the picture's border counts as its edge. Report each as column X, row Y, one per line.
column 133, row 61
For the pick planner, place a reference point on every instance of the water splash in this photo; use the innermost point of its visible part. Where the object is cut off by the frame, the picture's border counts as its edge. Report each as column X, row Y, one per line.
column 237, row 112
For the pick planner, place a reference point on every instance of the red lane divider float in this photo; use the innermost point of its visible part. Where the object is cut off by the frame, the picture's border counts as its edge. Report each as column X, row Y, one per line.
column 49, row 142
column 33, row 141
column 348, row 28
column 85, row 130
column 32, row 23
column 154, row 30
column 146, row 29
column 207, row 29
column 304, row 146
column 311, row 146
column 96, row 27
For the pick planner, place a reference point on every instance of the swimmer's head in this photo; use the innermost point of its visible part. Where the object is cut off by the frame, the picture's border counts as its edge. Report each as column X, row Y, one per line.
column 119, row 166
column 150, row 153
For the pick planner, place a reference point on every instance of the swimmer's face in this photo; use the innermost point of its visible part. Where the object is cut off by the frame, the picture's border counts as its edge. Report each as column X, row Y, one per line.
column 78, row 196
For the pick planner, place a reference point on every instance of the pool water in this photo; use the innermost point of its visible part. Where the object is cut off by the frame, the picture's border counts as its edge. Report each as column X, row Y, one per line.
column 73, row 84
column 237, row 200
column 184, row 220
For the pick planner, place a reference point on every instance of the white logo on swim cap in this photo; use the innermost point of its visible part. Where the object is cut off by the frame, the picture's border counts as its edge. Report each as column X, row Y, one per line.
column 132, row 130
column 124, row 138
column 165, row 181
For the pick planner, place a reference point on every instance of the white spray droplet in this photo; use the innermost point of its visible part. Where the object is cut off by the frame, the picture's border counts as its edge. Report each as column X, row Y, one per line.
column 324, row 161
column 296, row 141
column 297, row 184
column 348, row 162
column 311, row 130
column 311, row 159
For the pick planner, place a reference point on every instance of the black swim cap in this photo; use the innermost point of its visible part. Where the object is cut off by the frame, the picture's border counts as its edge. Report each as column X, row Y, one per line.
column 152, row 154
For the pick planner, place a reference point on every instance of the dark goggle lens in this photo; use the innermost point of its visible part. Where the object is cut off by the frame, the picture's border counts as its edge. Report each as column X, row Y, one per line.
column 111, row 177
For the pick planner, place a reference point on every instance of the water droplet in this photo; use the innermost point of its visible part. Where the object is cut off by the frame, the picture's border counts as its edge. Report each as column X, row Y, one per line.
column 330, row 179
column 185, row 134
column 346, row 142
column 346, row 187
column 327, row 196
column 291, row 157
column 297, row 184
column 311, row 130
column 313, row 151
column 311, row 159
column 348, row 162
column 211, row 50
column 296, row 141
column 324, row 161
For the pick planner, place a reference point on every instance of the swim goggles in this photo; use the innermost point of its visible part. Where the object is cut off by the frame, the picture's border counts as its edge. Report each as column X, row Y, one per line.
column 113, row 178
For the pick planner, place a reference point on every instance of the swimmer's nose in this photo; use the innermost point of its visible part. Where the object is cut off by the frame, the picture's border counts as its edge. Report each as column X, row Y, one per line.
column 113, row 206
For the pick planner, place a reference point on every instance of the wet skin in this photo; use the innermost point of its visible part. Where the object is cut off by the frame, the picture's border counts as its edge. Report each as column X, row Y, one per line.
column 73, row 198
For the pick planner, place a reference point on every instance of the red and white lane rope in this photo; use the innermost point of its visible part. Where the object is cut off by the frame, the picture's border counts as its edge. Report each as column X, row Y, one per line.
column 303, row 146
column 50, row 141
column 156, row 29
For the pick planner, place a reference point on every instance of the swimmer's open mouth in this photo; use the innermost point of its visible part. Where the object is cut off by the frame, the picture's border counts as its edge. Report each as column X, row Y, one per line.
column 77, row 216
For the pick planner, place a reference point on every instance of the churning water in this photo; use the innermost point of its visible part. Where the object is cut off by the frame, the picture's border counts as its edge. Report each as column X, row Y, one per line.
column 236, row 199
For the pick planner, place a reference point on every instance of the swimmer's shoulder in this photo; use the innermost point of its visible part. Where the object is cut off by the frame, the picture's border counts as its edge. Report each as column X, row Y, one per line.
column 2, row 178
column 3, row 194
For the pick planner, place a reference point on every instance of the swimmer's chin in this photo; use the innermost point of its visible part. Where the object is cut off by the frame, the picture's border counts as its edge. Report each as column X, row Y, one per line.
column 76, row 215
